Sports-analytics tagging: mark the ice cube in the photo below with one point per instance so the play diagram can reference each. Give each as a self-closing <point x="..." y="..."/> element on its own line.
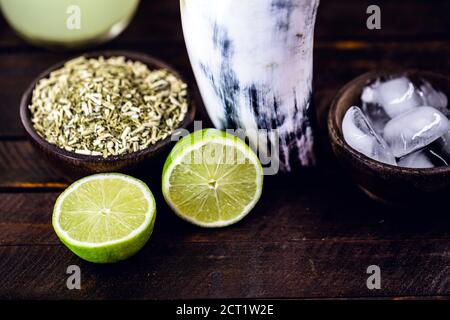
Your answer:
<point x="415" y="129"/>
<point x="369" y="93"/>
<point x="418" y="159"/>
<point x="446" y="142"/>
<point x="434" y="98"/>
<point x="438" y="158"/>
<point x="443" y="146"/>
<point x="376" y="115"/>
<point x="360" y="135"/>
<point x="397" y="96"/>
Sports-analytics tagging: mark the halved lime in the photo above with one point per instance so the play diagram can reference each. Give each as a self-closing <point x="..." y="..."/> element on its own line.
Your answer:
<point x="212" y="178"/>
<point x="105" y="218"/>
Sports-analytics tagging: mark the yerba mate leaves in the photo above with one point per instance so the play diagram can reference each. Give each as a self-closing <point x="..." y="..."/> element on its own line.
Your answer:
<point x="107" y="106"/>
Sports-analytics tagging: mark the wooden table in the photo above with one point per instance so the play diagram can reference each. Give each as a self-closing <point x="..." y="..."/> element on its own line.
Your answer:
<point x="311" y="236"/>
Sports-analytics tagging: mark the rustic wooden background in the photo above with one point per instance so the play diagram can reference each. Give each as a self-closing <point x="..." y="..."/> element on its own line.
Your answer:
<point x="309" y="237"/>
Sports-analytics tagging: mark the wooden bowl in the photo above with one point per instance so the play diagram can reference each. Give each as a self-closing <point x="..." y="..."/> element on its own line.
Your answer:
<point x="383" y="182"/>
<point x="76" y="165"/>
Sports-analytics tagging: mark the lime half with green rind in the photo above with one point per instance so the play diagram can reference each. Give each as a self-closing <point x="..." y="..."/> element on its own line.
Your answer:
<point x="212" y="178"/>
<point x="105" y="218"/>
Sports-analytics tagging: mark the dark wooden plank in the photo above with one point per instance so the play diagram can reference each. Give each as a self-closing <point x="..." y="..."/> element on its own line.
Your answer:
<point x="22" y="167"/>
<point x="400" y="20"/>
<point x="169" y="270"/>
<point x="320" y="208"/>
<point x="159" y="21"/>
<point x="335" y="63"/>
<point x="303" y="241"/>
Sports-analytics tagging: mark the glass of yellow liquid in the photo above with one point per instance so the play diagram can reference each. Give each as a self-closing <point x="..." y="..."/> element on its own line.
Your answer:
<point x="68" y="23"/>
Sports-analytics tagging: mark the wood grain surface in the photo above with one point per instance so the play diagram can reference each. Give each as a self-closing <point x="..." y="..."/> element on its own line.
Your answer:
<point x="311" y="236"/>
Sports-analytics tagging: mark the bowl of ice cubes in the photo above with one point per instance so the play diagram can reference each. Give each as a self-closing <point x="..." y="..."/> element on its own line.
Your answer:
<point x="391" y="131"/>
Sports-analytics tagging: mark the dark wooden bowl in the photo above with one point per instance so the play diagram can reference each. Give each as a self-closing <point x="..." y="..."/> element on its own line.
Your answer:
<point x="383" y="182"/>
<point x="75" y="165"/>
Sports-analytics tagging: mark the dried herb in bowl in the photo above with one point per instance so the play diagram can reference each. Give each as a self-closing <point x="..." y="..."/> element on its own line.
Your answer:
<point x="107" y="106"/>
